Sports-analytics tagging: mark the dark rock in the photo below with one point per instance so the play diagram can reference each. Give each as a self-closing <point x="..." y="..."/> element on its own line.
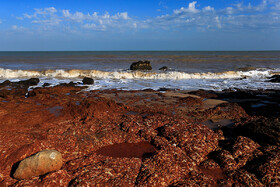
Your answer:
<point x="88" y="80"/>
<point x="29" y="82"/>
<point x="274" y="78"/>
<point x="262" y="130"/>
<point x="164" y="68"/>
<point x="141" y="65"/>
<point x="5" y="83"/>
<point x="46" y="84"/>
<point x="70" y="84"/>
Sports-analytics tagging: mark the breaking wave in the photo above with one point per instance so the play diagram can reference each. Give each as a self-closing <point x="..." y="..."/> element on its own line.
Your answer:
<point x="169" y="75"/>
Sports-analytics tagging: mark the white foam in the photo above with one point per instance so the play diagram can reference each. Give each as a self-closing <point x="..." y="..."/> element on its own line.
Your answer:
<point x="137" y="80"/>
<point x="170" y="75"/>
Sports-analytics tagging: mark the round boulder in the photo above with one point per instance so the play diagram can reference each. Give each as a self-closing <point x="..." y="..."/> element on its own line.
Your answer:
<point x="39" y="164"/>
<point x="88" y="80"/>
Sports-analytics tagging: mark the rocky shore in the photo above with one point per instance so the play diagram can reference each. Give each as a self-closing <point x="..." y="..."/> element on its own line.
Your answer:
<point x="140" y="138"/>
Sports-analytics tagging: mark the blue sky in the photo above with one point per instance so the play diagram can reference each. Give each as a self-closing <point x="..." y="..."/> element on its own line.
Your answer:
<point x="139" y="25"/>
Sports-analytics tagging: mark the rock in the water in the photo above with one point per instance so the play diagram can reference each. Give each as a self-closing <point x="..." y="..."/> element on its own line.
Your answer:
<point x="88" y="80"/>
<point x="164" y="68"/>
<point x="39" y="164"/>
<point x="141" y="65"/>
<point x="29" y="82"/>
<point x="46" y="85"/>
<point x="274" y="78"/>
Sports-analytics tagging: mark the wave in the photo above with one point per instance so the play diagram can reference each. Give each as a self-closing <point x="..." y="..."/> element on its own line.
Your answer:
<point x="169" y="75"/>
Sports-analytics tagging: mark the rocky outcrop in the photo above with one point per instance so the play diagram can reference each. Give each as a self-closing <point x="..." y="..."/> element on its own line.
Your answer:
<point x="39" y="164"/>
<point x="137" y="138"/>
<point x="141" y="65"/>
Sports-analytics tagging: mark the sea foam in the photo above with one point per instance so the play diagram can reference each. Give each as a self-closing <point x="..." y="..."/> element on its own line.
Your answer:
<point x="169" y="75"/>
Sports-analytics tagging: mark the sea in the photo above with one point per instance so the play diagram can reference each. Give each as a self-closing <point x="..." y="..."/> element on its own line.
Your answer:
<point x="187" y="70"/>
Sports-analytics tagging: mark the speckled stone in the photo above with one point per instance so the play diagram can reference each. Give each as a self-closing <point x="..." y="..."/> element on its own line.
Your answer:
<point x="39" y="164"/>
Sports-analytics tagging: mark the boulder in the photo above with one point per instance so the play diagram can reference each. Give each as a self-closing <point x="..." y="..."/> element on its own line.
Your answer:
<point x="88" y="80"/>
<point x="164" y="68"/>
<point x="274" y="78"/>
<point x="141" y="65"/>
<point x="39" y="164"/>
<point x="29" y="82"/>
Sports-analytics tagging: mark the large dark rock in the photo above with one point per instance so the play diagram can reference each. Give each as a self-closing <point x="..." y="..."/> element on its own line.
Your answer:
<point x="274" y="78"/>
<point x="141" y="65"/>
<point x="27" y="83"/>
<point x="88" y="80"/>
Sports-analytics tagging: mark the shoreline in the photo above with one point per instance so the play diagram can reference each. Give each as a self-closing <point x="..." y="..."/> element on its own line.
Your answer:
<point x="171" y="137"/>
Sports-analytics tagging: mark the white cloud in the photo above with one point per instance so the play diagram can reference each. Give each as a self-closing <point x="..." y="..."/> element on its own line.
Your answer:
<point x="208" y="8"/>
<point x="190" y="9"/>
<point x="265" y="15"/>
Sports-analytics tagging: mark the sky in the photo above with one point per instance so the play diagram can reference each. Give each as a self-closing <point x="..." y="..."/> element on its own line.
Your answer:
<point x="97" y="25"/>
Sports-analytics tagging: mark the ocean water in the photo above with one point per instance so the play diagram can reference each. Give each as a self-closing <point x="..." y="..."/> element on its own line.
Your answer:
<point x="187" y="70"/>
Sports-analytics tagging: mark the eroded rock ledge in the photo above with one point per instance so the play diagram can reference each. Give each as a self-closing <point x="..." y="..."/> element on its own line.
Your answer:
<point x="140" y="138"/>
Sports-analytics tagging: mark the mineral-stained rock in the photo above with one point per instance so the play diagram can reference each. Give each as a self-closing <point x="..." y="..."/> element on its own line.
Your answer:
<point x="168" y="166"/>
<point x="108" y="172"/>
<point x="141" y="65"/>
<point x="39" y="164"/>
<point x="88" y="80"/>
<point x="244" y="178"/>
<point x="226" y="160"/>
<point x="243" y="146"/>
<point x="267" y="167"/>
<point x="195" y="139"/>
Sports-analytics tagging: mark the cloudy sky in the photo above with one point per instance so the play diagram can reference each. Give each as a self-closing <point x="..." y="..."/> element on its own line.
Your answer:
<point x="139" y="25"/>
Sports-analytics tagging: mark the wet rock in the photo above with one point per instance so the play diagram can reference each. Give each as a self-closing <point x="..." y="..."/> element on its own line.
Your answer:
<point x="164" y="68"/>
<point x="88" y="80"/>
<point x="204" y="93"/>
<point x="39" y="164"/>
<point x="274" y="78"/>
<point x="46" y="85"/>
<point x="29" y="82"/>
<point x="141" y="65"/>
<point x="191" y="101"/>
<point x="262" y="130"/>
